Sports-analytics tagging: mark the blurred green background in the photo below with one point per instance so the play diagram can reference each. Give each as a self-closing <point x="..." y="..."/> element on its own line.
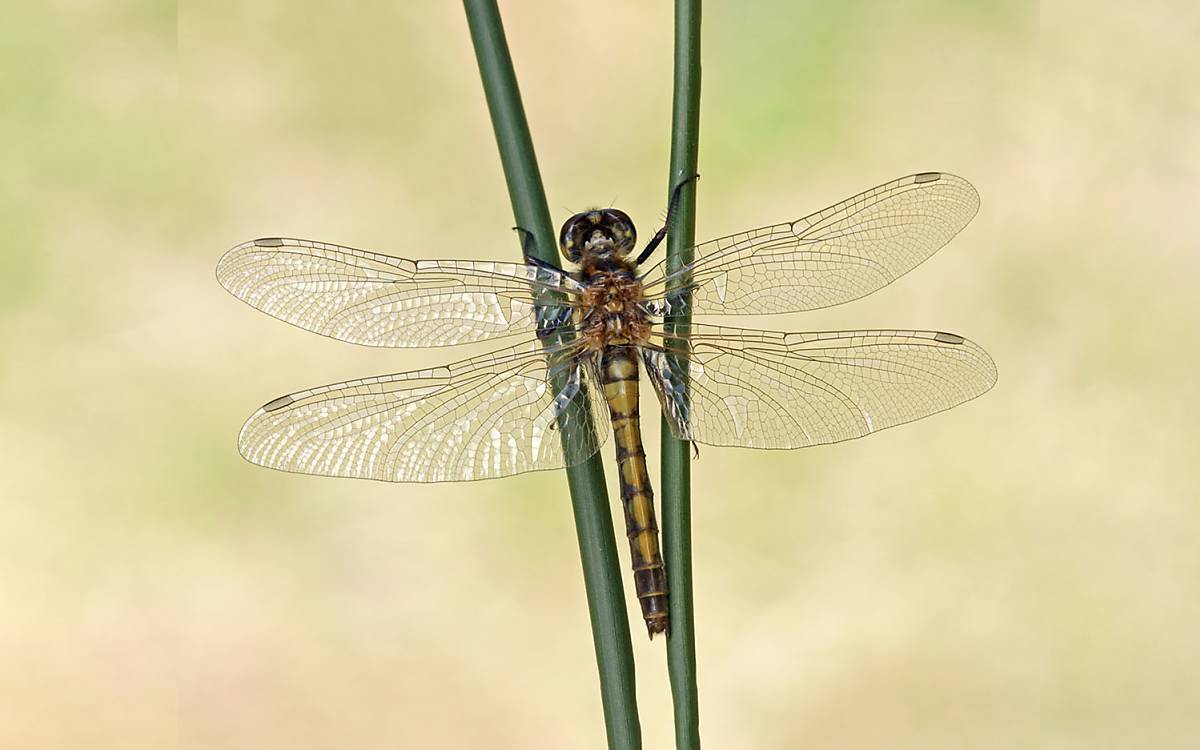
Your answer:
<point x="1020" y="572"/>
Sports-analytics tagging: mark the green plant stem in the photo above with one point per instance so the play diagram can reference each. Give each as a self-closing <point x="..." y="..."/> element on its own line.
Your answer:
<point x="676" y="454"/>
<point x="589" y="497"/>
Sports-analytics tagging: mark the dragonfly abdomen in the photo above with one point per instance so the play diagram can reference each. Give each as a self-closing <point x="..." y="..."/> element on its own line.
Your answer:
<point x="620" y="374"/>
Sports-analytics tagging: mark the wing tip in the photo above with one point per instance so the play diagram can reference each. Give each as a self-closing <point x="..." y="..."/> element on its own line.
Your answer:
<point x="249" y="444"/>
<point x="243" y="435"/>
<point x="222" y="269"/>
<point x="992" y="373"/>
<point x="971" y="194"/>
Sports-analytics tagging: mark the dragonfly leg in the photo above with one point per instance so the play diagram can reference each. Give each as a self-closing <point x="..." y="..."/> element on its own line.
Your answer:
<point x="661" y="234"/>
<point x="528" y="244"/>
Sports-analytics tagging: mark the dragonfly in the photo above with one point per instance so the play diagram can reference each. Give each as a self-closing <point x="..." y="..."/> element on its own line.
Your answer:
<point x="580" y="338"/>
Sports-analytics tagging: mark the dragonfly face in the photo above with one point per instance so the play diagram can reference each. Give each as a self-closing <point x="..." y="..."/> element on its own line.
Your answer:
<point x="514" y="410"/>
<point x="600" y="233"/>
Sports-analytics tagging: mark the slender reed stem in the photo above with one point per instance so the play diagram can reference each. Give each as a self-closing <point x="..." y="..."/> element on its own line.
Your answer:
<point x="589" y="497"/>
<point x="676" y="466"/>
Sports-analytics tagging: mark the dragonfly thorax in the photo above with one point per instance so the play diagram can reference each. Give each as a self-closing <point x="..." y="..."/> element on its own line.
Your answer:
<point x="612" y="306"/>
<point x="601" y="233"/>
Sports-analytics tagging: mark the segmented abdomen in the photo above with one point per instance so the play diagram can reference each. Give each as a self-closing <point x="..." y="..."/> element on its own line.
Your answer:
<point x="620" y="375"/>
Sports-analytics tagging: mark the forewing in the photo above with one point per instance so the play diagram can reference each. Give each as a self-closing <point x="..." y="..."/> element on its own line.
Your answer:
<point x="763" y="389"/>
<point x="836" y="255"/>
<point x="491" y="416"/>
<point x="380" y="300"/>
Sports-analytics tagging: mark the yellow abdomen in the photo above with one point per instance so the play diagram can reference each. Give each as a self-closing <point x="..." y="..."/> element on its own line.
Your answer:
<point x="619" y="371"/>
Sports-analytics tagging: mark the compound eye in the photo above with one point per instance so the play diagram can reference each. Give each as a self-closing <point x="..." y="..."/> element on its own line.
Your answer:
<point x="570" y="239"/>
<point x="623" y="233"/>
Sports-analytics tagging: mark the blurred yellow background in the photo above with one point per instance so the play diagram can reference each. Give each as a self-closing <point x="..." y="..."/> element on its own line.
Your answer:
<point x="1022" y="571"/>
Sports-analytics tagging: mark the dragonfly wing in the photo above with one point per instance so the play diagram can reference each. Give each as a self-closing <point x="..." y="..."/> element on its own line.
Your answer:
<point x="380" y="300"/>
<point x="836" y="255"/>
<point x="491" y="416"/>
<point x="764" y="389"/>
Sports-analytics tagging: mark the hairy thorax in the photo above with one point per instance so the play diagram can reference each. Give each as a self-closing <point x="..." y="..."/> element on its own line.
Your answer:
<point x="612" y="312"/>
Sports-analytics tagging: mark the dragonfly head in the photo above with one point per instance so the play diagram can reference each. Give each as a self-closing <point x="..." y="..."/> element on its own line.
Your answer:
<point x="598" y="232"/>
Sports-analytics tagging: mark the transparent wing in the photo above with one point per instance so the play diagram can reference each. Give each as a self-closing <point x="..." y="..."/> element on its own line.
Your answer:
<point x="379" y="300"/>
<point x="491" y="416"/>
<point x="764" y="389"/>
<point x="836" y="255"/>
